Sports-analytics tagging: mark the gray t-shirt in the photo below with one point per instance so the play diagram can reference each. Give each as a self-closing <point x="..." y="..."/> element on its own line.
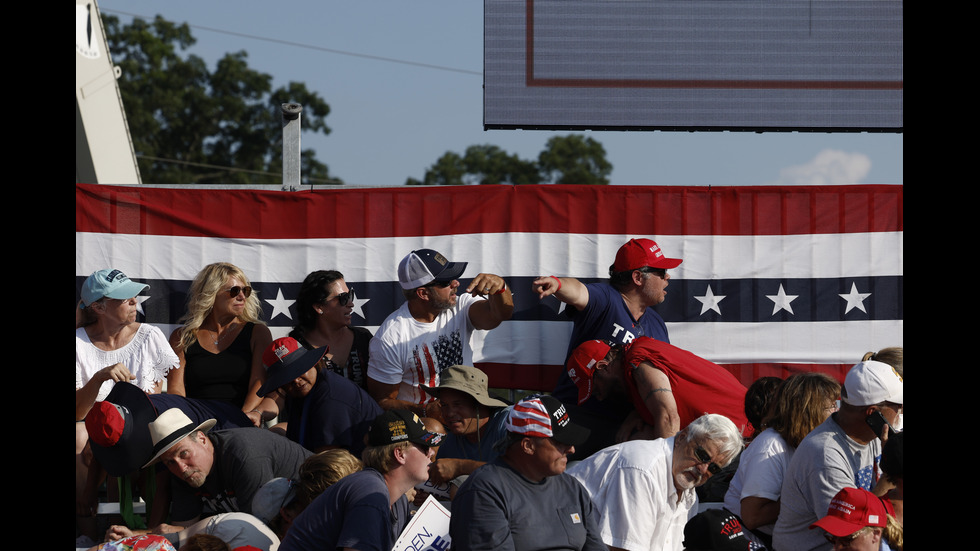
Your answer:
<point x="497" y="509"/>
<point x="824" y="463"/>
<point x="244" y="459"/>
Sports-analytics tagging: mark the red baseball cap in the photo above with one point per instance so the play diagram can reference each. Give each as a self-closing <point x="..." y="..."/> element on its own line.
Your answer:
<point x="637" y="253"/>
<point x="851" y="510"/>
<point x="581" y="365"/>
<point x="117" y="429"/>
<point x="284" y="360"/>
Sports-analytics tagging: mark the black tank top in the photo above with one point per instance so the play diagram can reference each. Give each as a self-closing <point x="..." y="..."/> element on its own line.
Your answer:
<point x="222" y="376"/>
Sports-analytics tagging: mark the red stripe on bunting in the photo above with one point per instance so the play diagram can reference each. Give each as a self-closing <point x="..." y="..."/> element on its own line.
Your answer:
<point x="447" y="210"/>
<point x="524" y="377"/>
<point x="747" y="373"/>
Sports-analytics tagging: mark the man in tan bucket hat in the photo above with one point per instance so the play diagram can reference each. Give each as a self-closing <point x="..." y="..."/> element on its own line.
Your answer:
<point x="473" y="418"/>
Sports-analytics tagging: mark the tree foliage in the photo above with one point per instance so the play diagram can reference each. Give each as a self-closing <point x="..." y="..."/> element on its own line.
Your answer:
<point x="191" y="125"/>
<point x="565" y="160"/>
<point x="481" y="164"/>
<point x="574" y="160"/>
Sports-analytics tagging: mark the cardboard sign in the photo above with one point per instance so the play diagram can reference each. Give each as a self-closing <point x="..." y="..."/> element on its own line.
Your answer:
<point x="428" y="530"/>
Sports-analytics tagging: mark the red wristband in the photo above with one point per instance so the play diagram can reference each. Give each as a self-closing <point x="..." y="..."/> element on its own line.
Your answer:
<point x="559" y="283"/>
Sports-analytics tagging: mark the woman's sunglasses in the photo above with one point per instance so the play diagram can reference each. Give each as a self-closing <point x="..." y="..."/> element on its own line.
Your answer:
<point x="233" y="292"/>
<point x="344" y="299"/>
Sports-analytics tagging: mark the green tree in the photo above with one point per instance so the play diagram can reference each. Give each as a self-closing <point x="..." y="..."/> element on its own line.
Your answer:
<point x="481" y="164"/>
<point x="191" y="125"/>
<point x="565" y="160"/>
<point x="574" y="159"/>
<point x="448" y="171"/>
<point x="488" y="164"/>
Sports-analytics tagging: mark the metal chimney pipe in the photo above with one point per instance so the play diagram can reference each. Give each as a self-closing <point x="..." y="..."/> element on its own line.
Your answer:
<point x="291" y="125"/>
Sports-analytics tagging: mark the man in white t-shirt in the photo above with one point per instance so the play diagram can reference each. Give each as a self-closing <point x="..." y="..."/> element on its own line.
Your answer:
<point x="431" y="331"/>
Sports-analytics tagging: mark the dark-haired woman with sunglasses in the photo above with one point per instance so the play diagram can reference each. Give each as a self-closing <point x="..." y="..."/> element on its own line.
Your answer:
<point x="221" y="343"/>
<point x="324" y="307"/>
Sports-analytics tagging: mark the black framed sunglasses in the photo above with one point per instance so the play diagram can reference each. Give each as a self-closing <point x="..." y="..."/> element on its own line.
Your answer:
<point x="703" y="456"/>
<point x="233" y="292"/>
<point x="344" y="298"/>
<point x="662" y="273"/>
<point x="440" y="284"/>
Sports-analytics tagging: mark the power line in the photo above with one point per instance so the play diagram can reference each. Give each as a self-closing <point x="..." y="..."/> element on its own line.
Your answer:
<point x="318" y="48"/>
<point x="233" y="169"/>
<point x="307" y="179"/>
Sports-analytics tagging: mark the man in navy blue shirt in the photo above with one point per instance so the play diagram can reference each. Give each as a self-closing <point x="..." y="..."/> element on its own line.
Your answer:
<point x="367" y="510"/>
<point x="617" y="310"/>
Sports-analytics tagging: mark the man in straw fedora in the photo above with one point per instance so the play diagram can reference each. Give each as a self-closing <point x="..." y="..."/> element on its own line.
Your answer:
<point x="221" y="469"/>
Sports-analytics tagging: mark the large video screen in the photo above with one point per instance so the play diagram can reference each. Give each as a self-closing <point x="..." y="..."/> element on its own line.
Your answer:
<point x="829" y="65"/>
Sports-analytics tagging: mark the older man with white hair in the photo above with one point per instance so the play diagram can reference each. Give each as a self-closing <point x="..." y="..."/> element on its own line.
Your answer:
<point x="644" y="489"/>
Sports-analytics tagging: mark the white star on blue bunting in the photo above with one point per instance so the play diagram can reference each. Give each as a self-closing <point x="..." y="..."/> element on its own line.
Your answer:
<point x="280" y="305"/>
<point x="709" y="301"/>
<point x="359" y="304"/>
<point x="781" y="301"/>
<point x="855" y="299"/>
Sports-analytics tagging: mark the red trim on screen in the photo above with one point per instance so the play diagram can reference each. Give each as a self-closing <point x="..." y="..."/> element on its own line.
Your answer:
<point x="529" y="43"/>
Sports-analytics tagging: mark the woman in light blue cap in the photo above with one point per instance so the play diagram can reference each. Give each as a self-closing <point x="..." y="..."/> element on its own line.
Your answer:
<point x="110" y="347"/>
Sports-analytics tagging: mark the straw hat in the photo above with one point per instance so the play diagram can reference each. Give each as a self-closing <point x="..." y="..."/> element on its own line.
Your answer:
<point x="171" y="427"/>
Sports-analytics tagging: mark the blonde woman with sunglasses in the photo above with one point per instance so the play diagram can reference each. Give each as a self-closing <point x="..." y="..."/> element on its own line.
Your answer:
<point x="221" y="343"/>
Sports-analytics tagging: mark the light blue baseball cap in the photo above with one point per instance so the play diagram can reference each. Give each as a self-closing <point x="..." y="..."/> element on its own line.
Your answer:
<point x="109" y="283"/>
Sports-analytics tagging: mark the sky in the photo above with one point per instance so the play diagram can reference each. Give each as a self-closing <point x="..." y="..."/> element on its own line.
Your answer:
<point x="404" y="84"/>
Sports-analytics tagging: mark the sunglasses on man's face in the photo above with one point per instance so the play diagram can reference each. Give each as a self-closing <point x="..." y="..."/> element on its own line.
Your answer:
<point x="703" y="456"/>
<point x="846" y="540"/>
<point x="233" y="292"/>
<point x="660" y="272"/>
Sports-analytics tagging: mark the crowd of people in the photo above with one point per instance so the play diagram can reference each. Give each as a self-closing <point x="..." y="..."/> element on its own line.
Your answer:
<point x="332" y="437"/>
